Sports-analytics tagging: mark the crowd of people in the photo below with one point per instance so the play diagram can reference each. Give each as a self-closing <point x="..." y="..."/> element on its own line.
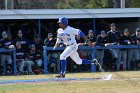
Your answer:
<point x="29" y="54"/>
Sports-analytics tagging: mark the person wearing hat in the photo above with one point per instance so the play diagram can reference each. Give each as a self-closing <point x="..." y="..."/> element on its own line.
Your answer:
<point x="133" y="54"/>
<point x="124" y="40"/>
<point x="38" y="42"/>
<point x="50" y="42"/>
<point x="21" y="55"/>
<point x="7" y="44"/>
<point x="92" y="39"/>
<point x="101" y="40"/>
<point x="35" y="57"/>
<point x="114" y="37"/>
<point x="22" y="40"/>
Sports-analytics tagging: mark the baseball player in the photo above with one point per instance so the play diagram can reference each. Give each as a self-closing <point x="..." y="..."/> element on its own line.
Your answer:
<point x="67" y="34"/>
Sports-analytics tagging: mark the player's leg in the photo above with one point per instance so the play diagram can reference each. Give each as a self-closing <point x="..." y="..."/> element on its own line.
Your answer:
<point x="75" y="57"/>
<point x="66" y="53"/>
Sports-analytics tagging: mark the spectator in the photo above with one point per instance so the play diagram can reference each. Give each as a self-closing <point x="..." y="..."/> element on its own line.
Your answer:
<point x="101" y="40"/>
<point x="50" y="42"/>
<point x="22" y="40"/>
<point x="6" y="43"/>
<point x="38" y="43"/>
<point x="114" y="37"/>
<point x="79" y="39"/>
<point x="124" y="40"/>
<point x="20" y="59"/>
<point x="133" y="54"/>
<point x="91" y="38"/>
<point x="35" y="57"/>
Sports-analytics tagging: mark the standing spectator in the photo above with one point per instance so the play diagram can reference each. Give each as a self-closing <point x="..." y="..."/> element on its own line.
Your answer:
<point x="79" y="39"/>
<point x="38" y="43"/>
<point x="114" y="37"/>
<point x="133" y="54"/>
<point x="91" y="39"/>
<point x="101" y="40"/>
<point x="124" y="40"/>
<point x="91" y="36"/>
<point x="6" y="43"/>
<point x="22" y="40"/>
<point x="50" y="42"/>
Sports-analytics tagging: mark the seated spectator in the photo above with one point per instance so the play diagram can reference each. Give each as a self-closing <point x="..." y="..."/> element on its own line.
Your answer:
<point x="22" y="40"/>
<point x="101" y="40"/>
<point x="7" y="44"/>
<point x="124" y="40"/>
<point x="20" y="59"/>
<point x="35" y="57"/>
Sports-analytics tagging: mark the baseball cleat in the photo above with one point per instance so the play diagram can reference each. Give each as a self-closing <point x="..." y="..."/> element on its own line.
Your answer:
<point x="60" y="76"/>
<point x="98" y="64"/>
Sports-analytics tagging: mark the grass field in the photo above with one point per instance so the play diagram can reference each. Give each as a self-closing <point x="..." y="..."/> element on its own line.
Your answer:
<point x="124" y="82"/>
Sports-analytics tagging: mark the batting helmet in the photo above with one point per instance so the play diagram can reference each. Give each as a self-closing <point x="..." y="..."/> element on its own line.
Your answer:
<point x="63" y="20"/>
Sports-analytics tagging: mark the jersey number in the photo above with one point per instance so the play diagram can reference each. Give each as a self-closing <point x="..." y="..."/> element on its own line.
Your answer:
<point x="68" y="38"/>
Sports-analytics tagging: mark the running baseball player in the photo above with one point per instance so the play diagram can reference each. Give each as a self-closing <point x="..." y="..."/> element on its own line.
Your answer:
<point x="67" y="35"/>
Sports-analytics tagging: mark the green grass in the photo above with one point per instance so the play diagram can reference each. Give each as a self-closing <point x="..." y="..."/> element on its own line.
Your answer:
<point x="97" y="86"/>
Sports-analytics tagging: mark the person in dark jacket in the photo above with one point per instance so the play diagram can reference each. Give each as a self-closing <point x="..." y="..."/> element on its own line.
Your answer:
<point x="50" y="42"/>
<point x="35" y="56"/>
<point x="21" y="55"/>
<point x="6" y="56"/>
<point x="22" y="40"/>
<point x="124" y="40"/>
<point x="114" y="37"/>
<point x="133" y="54"/>
<point x="38" y="42"/>
<point x="101" y="40"/>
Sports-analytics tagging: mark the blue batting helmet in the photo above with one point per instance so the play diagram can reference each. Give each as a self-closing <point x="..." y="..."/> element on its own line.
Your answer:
<point x="63" y="20"/>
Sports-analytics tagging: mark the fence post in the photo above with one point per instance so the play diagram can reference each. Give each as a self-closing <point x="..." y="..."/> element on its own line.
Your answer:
<point x="45" y="60"/>
<point x="14" y="62"/>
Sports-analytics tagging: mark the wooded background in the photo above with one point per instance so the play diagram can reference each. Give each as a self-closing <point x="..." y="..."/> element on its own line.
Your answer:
<point x="67" y="4"/>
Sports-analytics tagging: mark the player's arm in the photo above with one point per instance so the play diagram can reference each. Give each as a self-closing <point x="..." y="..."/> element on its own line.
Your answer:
<point x="85" y="38"/>
<point x="56" y="43"/>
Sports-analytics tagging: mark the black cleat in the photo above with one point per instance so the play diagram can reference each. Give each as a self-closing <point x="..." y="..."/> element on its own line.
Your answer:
<point x="60" y="76"/>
